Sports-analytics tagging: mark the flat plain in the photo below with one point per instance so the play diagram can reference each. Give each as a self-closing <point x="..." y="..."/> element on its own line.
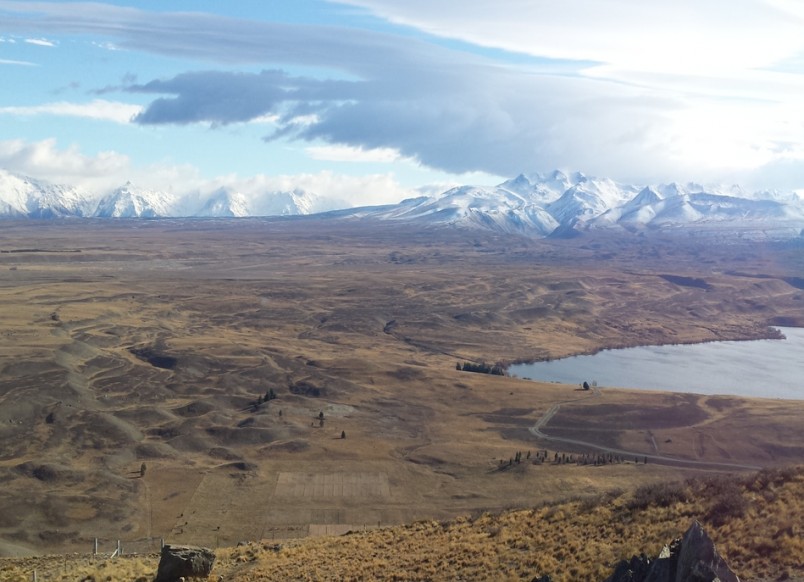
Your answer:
<point x="155" y="343"/>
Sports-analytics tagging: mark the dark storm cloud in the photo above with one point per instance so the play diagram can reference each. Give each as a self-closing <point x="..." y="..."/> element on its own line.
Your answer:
<point x="222" y="97"/>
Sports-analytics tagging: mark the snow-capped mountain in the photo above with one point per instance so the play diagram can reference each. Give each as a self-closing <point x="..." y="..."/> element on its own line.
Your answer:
<point x="225" y="203"/>
<point x="500" y="209"/>
<point x="130" y="201"/>
<point x="536" y="204"/>
<point x="228" y="203"/>
<point x="23" y="197"/>
<point x="589" y="198"/>
<point x="293" y="203"/>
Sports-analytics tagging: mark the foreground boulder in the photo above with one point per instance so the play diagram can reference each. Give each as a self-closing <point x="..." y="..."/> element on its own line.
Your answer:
<point x="693" y="558"/>
<point x="178" y="562"/>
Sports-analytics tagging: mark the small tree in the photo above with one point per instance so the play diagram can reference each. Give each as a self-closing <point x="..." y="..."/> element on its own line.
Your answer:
<point x="586" y="385"/>
<point x="343" y="434"/>
<point x="142" y="470"/>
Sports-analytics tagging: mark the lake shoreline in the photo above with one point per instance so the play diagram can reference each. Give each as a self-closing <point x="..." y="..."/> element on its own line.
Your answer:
<point x="773" y="333"/>
<point x="744" y="368"/>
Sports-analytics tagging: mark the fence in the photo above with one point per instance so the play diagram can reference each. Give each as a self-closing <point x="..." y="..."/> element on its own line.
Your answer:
<point x="104" y="549"/>
<point x="113" y="548"/>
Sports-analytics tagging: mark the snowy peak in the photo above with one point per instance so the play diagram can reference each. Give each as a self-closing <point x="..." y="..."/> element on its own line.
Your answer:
<point x="291" y="203"/>
<point x="647" y="195"/>
<point x="520" y="185"/>
<point x="131" y="202"/>
<point x="588" y="198"/>
<point x="529" y="204"/>
<point x="499" y="209"/>
<point x="533" y="205"/>
<point x="224" y="203"/>
<point x="24" y="197"/>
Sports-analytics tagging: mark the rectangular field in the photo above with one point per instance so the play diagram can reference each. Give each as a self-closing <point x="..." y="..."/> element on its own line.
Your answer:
<point x="336" y="485"/>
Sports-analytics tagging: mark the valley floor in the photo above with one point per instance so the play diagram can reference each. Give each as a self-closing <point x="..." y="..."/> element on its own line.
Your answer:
<point x="210" y="382"/>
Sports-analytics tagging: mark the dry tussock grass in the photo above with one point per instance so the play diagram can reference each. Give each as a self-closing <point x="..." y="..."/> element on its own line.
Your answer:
<point x="574" y="540"/>
<point x="579" y="539"/>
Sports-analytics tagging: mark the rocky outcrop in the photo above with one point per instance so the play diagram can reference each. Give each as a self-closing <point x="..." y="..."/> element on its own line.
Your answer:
<point x="692" y="558"/>
<point x="182" y="562"/>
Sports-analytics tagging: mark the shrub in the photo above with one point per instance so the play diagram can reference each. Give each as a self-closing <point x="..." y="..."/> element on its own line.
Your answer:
<point x="729" y="504"/>
<point x="659" y="494"/>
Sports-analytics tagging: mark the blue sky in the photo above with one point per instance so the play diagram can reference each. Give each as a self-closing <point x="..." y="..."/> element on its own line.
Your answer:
<point x="374" y="100"/>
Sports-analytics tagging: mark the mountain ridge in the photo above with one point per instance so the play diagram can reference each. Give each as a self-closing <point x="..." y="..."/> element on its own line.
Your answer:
<point x="535" y="205"/>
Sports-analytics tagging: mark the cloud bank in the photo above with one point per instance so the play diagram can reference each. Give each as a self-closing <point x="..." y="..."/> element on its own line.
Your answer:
<point x="637" y="90"/>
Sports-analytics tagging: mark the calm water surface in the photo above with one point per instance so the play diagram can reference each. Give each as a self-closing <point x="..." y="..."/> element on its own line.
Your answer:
<point x="762" y="368"/>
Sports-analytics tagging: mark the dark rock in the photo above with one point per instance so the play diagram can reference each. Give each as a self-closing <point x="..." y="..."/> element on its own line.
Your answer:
<point x="633" y="570"/>
<point x="692" y="558"/>
<point x="184" y="562"/>
<point x="699" y="561"/>
<point x="664" y="566"/>
<point x="545" y="578"/>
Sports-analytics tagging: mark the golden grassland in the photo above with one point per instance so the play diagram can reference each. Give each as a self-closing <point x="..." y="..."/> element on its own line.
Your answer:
<point x="123" y="343"/>
<point x="755" y="521"/>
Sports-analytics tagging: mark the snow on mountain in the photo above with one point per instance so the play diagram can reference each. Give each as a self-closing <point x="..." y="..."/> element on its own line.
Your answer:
<point x="292" y="203"/>
<point x="698" y="208"/>
<point x="532" y="205"/>
<point x="589" y="198"/>
<point x="130" y="201"/>
<point x="542" y="188"/>
<point x="225" y="203"/>
<point x="23" y="197"/>
<point x="529" y="204"/>
<point x="499" y="209"/>
<point x="520" y="185"/>
<point x="639" y="209"/>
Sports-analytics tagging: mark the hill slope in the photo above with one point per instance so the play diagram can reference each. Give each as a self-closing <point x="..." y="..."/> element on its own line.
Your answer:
<point x="755" y="522"/>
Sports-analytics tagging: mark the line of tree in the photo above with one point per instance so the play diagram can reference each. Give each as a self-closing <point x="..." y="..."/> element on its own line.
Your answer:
<point x="482" y="368"/>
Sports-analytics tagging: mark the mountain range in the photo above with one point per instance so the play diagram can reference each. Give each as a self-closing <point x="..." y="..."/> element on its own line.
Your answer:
<point x="552" y="204"/>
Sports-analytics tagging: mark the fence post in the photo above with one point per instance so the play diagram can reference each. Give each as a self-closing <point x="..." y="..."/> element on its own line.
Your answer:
<point x="161" y="543"/>
<point x="34" y="576"/>
<point x="119" y="548"/>
<point x="95" y="549"/>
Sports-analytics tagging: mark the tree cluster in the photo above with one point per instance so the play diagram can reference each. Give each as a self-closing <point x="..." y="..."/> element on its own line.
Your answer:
<point x="481" y="368"/>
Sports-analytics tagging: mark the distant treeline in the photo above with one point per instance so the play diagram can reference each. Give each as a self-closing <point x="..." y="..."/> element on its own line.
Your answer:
<point x="482" y="368"/>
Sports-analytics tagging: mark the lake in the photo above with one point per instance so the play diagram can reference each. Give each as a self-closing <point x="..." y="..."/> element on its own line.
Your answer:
<point x="760" y="368"/>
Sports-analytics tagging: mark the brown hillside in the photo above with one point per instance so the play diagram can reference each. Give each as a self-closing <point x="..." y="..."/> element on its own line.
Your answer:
<point x="157" y="342"/>
<point x="755" y="521"/>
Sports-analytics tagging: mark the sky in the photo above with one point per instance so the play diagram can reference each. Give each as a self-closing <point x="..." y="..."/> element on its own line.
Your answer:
<point x="373" y="101"/>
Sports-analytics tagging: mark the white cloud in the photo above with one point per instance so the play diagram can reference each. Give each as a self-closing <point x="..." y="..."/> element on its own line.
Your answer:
<point x="40" y="42"/>
<point x="361" y="190"/>
<point x="99" y="109"/>
<point x="639" y="90"/>
<point x="44" y="159"/>
<point x="13" y="62"/>
<point x="105" y="171"/>
<point x="344" y="153"/>
<point x="106" y="46"/>
<point x="687" y="36"/>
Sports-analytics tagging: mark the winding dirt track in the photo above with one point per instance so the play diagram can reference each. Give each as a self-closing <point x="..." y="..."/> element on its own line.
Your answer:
<point x="536" y="430"/>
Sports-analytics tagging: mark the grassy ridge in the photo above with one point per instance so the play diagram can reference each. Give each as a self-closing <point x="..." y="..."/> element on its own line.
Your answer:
<point x="755" y="522"/>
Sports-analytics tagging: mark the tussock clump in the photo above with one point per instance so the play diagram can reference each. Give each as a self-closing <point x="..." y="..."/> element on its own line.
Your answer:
<point x="658" y="494"/>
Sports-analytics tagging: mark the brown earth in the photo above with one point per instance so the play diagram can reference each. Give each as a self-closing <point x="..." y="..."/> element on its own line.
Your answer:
<point x="154" y="342"/>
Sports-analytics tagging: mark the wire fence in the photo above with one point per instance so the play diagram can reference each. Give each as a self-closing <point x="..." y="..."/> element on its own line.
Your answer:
<point x="112" y="547"/>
